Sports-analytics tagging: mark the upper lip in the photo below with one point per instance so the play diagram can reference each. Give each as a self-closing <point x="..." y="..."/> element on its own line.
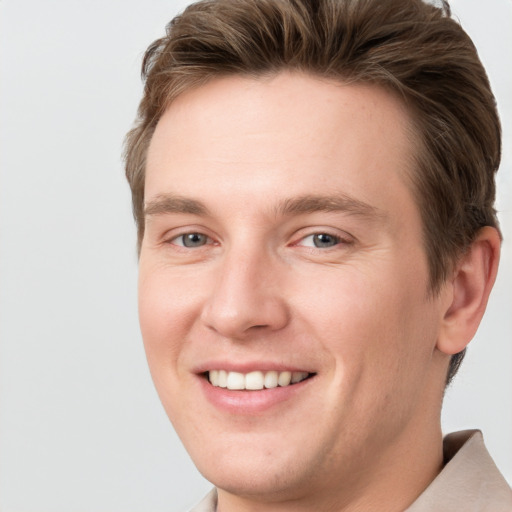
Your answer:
<point x="247" y="367"/>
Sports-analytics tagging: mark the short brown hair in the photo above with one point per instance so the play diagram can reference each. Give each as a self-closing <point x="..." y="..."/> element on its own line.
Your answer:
<point x="408" y="46"/>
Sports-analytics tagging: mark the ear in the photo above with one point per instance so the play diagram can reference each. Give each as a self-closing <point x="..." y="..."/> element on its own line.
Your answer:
<point x="470" y="287"/>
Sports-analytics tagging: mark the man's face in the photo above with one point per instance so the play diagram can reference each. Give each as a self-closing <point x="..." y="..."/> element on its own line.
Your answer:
<point x="282" y="236"/>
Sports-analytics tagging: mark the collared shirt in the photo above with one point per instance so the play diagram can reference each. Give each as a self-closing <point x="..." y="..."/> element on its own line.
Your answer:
<point x="469" y="481"/>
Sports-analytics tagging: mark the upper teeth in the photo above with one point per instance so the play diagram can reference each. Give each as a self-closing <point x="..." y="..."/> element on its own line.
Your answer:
<point x="254" y="380"/>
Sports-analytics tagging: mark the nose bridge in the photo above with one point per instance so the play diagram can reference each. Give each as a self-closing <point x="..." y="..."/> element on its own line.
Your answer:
<point x="246" y="294"/>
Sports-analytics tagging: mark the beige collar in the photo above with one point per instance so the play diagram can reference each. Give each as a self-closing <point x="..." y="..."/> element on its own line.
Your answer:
<point x="469" y="481"/>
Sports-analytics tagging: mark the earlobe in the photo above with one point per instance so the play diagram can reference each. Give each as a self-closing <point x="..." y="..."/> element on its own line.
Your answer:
<point x="471" y="286"/>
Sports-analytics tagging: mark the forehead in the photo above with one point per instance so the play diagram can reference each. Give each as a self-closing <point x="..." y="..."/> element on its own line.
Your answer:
<point x="287" y="130"/>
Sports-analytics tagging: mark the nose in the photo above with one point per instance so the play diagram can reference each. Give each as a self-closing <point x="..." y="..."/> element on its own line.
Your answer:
<point x="247" y="296"/>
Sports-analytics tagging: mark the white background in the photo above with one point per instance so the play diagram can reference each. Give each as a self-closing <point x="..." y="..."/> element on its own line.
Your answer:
<point x="81" y="427"/>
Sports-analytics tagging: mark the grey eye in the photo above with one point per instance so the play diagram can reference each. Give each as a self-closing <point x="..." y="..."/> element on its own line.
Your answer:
<point x="192" y="240"/>
<point x="322" y="240"/>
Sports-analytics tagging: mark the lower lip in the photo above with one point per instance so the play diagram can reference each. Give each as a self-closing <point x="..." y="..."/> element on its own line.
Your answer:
<point x="251" y="402"/>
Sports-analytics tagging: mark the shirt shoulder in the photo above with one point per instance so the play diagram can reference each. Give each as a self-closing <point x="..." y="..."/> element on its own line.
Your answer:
<point x="469" y="481"/>
<point x="207" y="504"/>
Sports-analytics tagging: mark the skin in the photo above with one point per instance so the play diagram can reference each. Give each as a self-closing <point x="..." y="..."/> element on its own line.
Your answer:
<point x="364" y="432"/>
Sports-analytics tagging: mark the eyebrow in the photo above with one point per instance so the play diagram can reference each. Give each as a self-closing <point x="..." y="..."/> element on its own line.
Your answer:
<point x="169" y="203"/>
<point x="331" y="203"/>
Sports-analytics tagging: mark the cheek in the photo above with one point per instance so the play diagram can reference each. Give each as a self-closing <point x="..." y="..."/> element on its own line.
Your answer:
<point x="380" y="341"/>
<point x="164" y="316"/>
<point x="376" y="326"/>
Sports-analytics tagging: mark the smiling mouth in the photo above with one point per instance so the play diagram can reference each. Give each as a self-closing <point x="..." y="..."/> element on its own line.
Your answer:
<point x="255" y="380"/>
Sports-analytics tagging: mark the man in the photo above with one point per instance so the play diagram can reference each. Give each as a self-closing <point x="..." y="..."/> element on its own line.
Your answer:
<point x="313" y="184"/>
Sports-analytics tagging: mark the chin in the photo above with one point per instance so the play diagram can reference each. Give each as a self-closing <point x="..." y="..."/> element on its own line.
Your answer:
<point x="257" y="469"/>
<point x="251" y="480"/>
